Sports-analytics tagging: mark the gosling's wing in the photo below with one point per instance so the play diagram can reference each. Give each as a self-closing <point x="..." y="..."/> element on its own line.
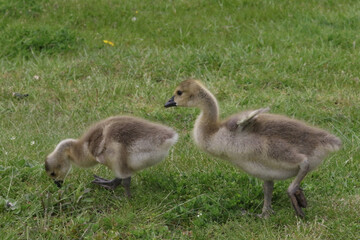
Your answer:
<point x="246" y="119"/>
<point x="240" y="121"/>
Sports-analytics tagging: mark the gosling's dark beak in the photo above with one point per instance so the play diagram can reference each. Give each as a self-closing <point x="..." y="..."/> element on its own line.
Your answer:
<point x="170" y="103"/>
<point x="58" y="183"/>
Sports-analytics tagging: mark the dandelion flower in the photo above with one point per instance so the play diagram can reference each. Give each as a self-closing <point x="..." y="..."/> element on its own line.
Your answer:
<point x="136" y="12"/>
<point x="108" y="42"/>
<point x="133" y="19"/>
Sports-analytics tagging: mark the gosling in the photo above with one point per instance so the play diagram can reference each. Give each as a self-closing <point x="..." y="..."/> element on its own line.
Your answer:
<point x="267" y="146"/>
<point x="124" y="144"/>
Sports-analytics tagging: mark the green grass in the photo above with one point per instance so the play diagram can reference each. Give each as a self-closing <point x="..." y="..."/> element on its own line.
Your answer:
<point x="301" y="58"/>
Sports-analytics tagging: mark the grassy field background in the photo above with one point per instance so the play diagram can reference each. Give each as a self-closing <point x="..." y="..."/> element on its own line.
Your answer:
<point x="301" y="58"/>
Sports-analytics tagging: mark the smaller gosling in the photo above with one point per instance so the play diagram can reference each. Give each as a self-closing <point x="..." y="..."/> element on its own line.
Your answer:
<point x="124" y="144"/>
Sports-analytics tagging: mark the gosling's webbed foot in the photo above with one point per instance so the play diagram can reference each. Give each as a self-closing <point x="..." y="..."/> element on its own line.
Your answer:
<point x="296" y="206"/>
<point x="266" y="213"/>
<point x="300" y="197"/>
<point x="298" y="201"/>
<point x="108" y="184"/>
<point x="112" y="184"/>
<point x="97" y="178"/>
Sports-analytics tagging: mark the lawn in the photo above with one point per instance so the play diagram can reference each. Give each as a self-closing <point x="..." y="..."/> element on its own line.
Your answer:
<point x="300" y="58"/>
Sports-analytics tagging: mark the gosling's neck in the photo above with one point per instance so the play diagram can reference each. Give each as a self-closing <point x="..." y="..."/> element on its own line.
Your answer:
<point x="63" y="150"/>
<point x="208" y="120"/>
<point x="80" y="155"/>
<point x="72" y="148"/>
<point x="65" y="145"/>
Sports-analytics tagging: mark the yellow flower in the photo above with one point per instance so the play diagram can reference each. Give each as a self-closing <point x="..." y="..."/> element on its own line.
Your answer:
<point x="108" y="42"/>
<point x="136" y="12"/>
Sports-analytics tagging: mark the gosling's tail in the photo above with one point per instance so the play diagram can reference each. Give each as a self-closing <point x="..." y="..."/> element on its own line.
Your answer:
<point x="332" y="143"/>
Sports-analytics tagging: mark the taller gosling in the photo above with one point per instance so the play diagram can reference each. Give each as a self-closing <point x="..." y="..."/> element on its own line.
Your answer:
<point x="267" y="146"/>
<point x="124" y="144"/>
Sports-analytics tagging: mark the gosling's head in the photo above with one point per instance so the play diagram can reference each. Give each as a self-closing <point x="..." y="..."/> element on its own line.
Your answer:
<point x="57" y="163"/>
<point x="189" y="93"/>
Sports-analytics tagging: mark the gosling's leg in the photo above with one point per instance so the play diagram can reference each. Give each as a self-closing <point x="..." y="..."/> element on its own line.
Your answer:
<point x="296" y="195"/>
<point x="108" y="184"/>
<point x="268" y="190"/>
<point x="126" y="184"/>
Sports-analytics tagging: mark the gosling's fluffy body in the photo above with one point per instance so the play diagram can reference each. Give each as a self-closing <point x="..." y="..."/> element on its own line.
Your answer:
<point x="271" y="147"/>
<point x="124" y="144"/>
<point x="267" y="146"/>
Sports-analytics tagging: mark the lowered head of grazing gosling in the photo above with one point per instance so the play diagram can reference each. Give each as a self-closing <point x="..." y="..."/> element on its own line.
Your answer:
<point x="57" y="163"/>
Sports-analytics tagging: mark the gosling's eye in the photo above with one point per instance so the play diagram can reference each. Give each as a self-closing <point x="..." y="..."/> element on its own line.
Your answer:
<point x="179" y="92"/>
<point x="52" y="174"/>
